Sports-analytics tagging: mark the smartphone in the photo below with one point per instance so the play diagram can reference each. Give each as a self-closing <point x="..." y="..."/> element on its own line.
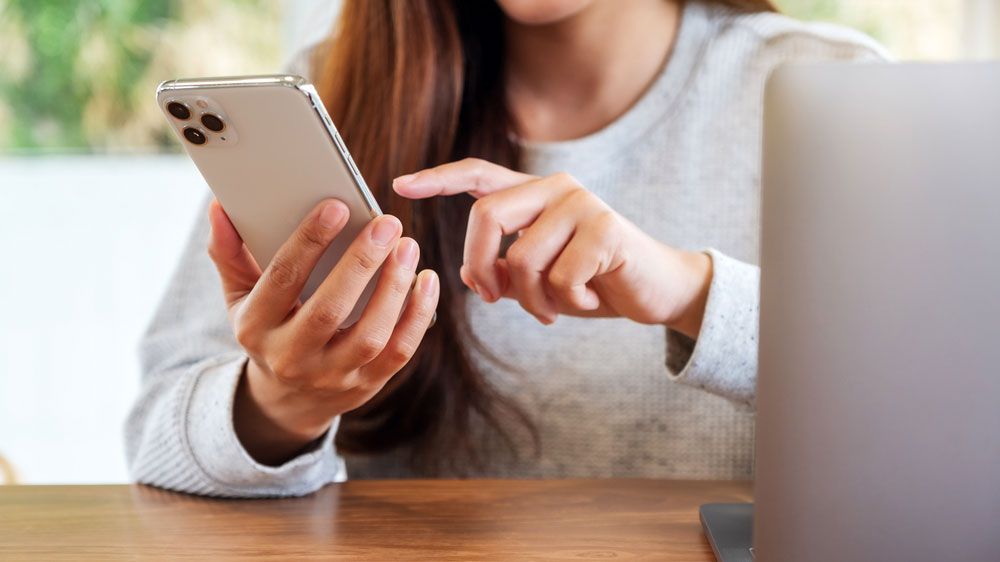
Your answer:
<point x="270" y="153"/>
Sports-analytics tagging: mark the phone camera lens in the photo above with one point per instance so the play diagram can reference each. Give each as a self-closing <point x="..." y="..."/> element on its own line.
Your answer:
<point x="179" y="110"/>
<point x="212" y="122"/>
<point x="194" y="136"/>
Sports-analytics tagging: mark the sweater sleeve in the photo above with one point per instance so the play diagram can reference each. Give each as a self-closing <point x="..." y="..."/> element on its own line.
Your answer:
<point x="179" y="434"/>
<point x="723" y="359"/>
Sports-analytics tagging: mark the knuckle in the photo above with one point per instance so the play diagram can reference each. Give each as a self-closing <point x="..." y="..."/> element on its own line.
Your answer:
<point x="369" y="346"/>
<point x="403" y="350"/>
<point x="477" y="169"/>
<point x="347" y="386"/>
<point x="363" y="263"/>
<point x="520" y="256"/>
<point x="312" y="236"/>
<point x="528" y="303"/>
<point x="366" y="389"/>
<point x="483" y="210"/>
<point x="424" y="312"/>
<point x="399" y="284"/>
<point x="247" y="336"/>
<point x="286" y="368"/>
<point x="285" y="376"/>
<point x="567" y="179"/>
<point x="347" y="383"/>
<point x="579" y="196"/>
<point x="473" y="163"/>
<point x="283" y="273"/>
<point x="328" y="313"/>
<point x="332" y="381"/>
<point x="604" y="222"/>
<point x="560" y="280"/>
<point x="340" y="385"/>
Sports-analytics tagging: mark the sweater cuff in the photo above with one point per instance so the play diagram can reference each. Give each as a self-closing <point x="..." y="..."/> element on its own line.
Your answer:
<point x="215" y="447"/>
<point x="723" y="360"/>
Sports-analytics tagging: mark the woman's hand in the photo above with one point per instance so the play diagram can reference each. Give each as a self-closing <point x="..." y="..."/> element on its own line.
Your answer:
<point x="303" y="372"/>
<point x="574" y="254"/>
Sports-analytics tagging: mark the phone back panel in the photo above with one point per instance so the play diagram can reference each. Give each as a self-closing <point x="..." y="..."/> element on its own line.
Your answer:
<point x="276" y="158"/>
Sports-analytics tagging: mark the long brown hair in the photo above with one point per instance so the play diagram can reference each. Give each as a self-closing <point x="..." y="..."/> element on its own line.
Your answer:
<point x="413" y="84"/>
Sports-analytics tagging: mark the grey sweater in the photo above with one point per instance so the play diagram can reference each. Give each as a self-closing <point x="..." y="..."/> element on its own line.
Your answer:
<point x="610" y="398"/>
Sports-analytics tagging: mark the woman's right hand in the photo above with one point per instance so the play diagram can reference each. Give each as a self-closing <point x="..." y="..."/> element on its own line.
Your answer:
<point x="302" y="372"/>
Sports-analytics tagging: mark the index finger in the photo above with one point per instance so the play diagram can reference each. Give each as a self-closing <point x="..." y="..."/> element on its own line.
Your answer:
<point x="504" y="213"/>
<point x="472" y="175"/>
<point x="237" y="269"/>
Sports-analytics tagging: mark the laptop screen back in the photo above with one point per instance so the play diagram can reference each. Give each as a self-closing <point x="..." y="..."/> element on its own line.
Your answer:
<point x="878" y="433"/>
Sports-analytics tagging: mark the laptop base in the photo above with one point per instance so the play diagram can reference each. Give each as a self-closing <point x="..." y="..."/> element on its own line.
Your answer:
<point x="729" y="529"/>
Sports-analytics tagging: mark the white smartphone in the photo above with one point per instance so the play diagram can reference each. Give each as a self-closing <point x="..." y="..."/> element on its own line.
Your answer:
<point x="270" y="153"/>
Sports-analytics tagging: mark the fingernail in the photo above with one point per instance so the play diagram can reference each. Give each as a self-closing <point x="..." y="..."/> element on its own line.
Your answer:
<point x="331" y="214"/>
<point x="406" y="253"/>
<point x="384" y="231"/>
<point x="403" y="180"/>
<point x="428" y="283"/>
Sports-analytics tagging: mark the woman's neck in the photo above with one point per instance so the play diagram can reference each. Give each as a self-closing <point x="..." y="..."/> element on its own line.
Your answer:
<point x="572" y="78"/>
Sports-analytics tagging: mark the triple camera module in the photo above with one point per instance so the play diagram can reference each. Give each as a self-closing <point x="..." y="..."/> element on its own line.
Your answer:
<point x="193" y="134"/>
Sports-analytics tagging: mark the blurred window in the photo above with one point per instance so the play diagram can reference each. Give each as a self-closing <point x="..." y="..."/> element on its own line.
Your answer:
<point x="915" y="29"/>
<point x="78" y="73"/>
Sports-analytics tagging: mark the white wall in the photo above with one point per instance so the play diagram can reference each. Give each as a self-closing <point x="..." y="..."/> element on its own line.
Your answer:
<point x="306" y="22"/>
<point x="87" y="244"/>
<point x="981" y="29"/>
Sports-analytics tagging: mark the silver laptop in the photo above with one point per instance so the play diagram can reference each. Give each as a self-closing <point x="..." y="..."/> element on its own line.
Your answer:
<point x="878" y="401"/>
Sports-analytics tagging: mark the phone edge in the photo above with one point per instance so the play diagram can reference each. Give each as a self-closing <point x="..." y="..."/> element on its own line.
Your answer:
<point x="312" y="95"/>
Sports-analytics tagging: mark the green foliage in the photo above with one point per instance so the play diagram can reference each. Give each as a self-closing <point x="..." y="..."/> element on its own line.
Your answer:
<point x="45" y="106"/>
<point x="832" y="11"/>
<point x="811" y="9"/>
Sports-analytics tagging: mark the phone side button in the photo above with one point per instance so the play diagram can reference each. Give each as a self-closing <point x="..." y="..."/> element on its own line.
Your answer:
<point x="354" y="167"/>
<point x="340" y="142"/>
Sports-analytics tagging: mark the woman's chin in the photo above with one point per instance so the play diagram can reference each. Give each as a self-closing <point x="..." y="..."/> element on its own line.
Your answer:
<point x="542" y="12"/>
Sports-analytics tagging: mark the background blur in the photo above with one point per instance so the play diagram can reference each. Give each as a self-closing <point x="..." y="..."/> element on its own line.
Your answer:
<point x="96" y="200"/>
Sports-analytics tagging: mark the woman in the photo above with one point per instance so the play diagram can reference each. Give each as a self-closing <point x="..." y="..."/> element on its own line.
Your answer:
<point x="601" y="159"/>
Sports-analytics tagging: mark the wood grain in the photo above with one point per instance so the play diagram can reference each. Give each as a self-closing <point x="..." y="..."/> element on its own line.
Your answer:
<point x="436" y="520"/>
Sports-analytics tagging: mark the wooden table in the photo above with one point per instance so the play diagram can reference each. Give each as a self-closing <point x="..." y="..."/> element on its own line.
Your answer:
<point x="368" y="520"/>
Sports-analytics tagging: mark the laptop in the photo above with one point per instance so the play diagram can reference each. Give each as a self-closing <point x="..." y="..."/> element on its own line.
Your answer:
<point x="878" y="399"/>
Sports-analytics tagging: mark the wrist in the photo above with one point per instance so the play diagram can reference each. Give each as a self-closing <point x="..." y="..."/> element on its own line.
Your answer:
<point x="695" y="279"/>
<point x="273" y="422"/>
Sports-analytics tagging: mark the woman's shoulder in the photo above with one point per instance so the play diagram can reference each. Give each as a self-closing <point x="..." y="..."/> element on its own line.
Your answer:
<point x="774" y="35"/>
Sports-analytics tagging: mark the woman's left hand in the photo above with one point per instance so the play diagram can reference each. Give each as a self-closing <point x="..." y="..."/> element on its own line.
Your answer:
<point x="574" y="255"/>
